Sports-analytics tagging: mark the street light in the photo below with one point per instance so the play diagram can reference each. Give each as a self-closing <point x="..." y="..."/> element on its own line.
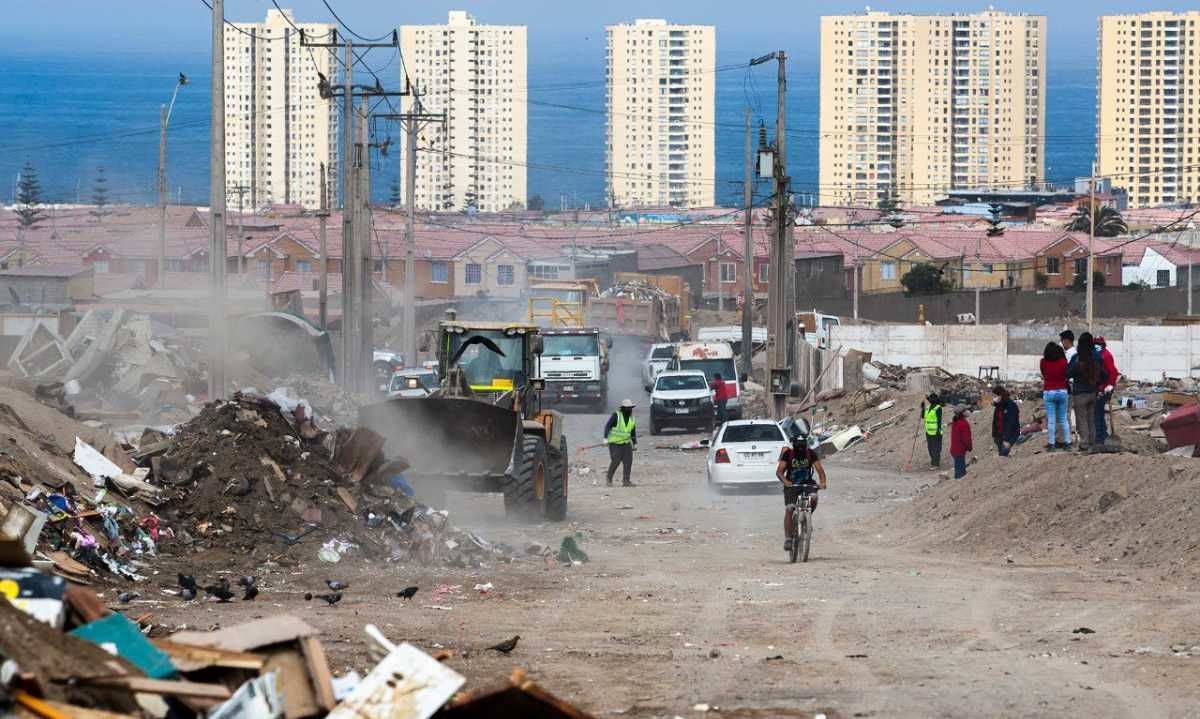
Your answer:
<point x="164" y="118"/>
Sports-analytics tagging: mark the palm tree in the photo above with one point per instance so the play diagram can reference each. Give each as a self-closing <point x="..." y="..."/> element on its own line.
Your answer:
<point x="1109" y="222"/>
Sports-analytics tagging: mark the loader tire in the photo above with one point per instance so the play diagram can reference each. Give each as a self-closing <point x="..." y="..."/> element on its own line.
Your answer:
<point x="521" y="500"/>
<point x="556" y="482"/>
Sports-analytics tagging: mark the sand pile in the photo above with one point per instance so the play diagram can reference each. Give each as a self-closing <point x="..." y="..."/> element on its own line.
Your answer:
<point x="1125" y="510"/>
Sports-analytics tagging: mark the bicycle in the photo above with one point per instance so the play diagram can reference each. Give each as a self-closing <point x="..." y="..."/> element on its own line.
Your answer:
<point x="802" y="525"/>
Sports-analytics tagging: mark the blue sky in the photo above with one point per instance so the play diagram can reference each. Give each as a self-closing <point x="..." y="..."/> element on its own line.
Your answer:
<point x="560" y="31"/>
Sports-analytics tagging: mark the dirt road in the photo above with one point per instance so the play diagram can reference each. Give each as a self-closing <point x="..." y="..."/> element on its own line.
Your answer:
<point x="687" y="599"/>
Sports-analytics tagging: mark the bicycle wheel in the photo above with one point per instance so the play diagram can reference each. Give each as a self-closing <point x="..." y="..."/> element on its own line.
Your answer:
<point x="805" y="535"/>
<point x="795" y="551"/>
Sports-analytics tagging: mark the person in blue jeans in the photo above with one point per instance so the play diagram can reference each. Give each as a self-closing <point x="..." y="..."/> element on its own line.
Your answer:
<point x="1054" y="394"/>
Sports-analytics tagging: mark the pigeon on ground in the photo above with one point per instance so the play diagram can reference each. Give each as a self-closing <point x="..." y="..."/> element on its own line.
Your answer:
<point x="335" y="585"/>
<point x="330" y="599"/>
<point x="127" y="597"/>
<point x="248" y="581"/>
<point x="407" y="592"/>
<point x="187" y="593"/>
<point x="506" y="646"/>
<point x="219" y="591"/>
<point x="308" y="596"/>
<point x="250" y="593"/>
<point x="187" y="582"/>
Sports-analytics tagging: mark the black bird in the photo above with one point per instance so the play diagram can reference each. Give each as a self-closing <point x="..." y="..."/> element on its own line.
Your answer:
<point x="187" y="593"/>
<point x="127" y="597"/>
<point x="335" y="585"/>
<point x="330" y="599"/>
<point x="407" y="592"/>
<point x="248" y="581"/>
<point x="250" y="593"/>
<point x="308" y="596"/>
<point x="220" y="591"/>
<point x="506" y="646"/>
<point x="187" y="582"/>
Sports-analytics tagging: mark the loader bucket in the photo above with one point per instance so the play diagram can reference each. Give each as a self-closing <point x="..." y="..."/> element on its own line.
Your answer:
<point x="445" y="436"/>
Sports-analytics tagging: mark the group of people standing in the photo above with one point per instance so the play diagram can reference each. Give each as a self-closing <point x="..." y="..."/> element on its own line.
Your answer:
<point x="1078" y="376"/>
<point x="1006" y="429"/>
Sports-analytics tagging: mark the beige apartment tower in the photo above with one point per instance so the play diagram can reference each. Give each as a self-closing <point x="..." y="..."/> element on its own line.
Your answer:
<point x="1145" y="117"/>
<point x="476" y="74"/>
<point x="661" y="147"/>
<point x="914" y="105"/>
<point x="278" y="128"/>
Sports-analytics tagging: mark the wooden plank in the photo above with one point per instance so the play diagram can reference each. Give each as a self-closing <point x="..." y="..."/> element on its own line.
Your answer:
<point x="188" y="658"/>
<point x="1178" y="399"/>
<point x="169" y="687"/>
<point x="67" y="710"/>
<point x="347" y="499"/>
<point x="292" y="680"/>
<point x="318" y="672"/>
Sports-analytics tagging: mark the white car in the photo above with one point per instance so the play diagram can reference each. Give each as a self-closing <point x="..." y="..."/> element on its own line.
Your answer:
<point x="656" y="361"/>
<point x="681" y="399"/>
<point x="416" y="382"/>
<point x="745" y="453"/>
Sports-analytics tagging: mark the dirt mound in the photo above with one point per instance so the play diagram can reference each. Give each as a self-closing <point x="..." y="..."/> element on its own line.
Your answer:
<point x="1127" y="510"/>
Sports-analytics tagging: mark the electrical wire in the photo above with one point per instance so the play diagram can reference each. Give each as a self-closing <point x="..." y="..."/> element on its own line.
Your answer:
<point x="349" y="30"/>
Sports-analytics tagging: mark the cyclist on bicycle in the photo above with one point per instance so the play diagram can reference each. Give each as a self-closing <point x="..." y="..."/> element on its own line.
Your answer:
<point x="795" y="470"/>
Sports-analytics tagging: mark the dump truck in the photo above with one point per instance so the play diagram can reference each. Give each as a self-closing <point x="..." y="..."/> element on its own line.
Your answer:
<point x="483" y="428"/>
<point x="648" y="307"/>
<point x="574" y="363"/>
<point x="554" y="304"/>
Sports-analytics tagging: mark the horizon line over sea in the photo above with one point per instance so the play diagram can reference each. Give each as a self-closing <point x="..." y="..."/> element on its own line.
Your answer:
<point x="63" y="118"/>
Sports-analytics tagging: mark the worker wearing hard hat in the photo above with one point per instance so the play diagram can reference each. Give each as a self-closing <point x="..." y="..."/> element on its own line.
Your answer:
<point x="620" y="434"/>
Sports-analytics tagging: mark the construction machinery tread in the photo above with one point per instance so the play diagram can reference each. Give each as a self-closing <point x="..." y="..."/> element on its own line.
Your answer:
<point x="520" y="488"/>
<point x="556" y="482"/>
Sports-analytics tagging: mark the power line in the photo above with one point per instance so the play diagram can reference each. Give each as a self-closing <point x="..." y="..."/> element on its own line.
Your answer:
<point x="347" y="27"/>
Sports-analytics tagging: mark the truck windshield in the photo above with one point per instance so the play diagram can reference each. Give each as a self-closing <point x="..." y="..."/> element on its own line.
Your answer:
<point x="558" y="294"/>
<point x="711" y="367"/>
<point x="570" y="346"/>
<point x="674" y="383"/>
<point x="485" y="368"/>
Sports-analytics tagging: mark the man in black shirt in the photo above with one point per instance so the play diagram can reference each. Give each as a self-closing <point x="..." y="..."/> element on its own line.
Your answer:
<point x="795" y="469"/>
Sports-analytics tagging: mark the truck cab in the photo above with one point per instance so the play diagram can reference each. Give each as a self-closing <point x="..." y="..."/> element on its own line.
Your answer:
<point x="712" y="358"/>
<point x="814" y="328"/>
<point x="574" y="364"/>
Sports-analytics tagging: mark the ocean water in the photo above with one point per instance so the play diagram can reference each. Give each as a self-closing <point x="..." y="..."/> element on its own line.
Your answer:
<point x="70" y="115"/>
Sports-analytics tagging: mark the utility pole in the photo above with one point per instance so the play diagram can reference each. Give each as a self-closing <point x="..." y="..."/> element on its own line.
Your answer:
<point x="1091" y="246"/>
<point x="217" y="339"/>
<point x="355" y="162"/>
<point x="164" y="117"/>
<point x="717" y="267"/>
<point x="781" y="299"/>
<point x="241" y="191"/>
<point x="362" y="249"/>
<point x="855" y="270"/>
<point x="748" y="257"/>
<point x="323" y="261"/>
<point x="411" y="122"/>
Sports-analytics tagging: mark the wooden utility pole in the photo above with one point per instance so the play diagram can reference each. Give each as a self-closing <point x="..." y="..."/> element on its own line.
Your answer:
<point x="323" y="261"/>
<point x="349" y="182"/>
<point x="1091" y="246"/>
<point x="241" y="191"/>
<point x="781" y="298"/>
<point x="748" y="256"/>
<point x="217" y="328"/>
<point x="362" y="248"/>
<point x="411" y="122"/>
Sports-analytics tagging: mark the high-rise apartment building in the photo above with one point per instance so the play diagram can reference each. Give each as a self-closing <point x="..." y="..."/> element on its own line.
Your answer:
<point x="476" y="74"/>
<point x="914" y="105"/>
<point x="661" y="145"/>
<point x="1146" y="121"/>
<point x="278" y="128"/>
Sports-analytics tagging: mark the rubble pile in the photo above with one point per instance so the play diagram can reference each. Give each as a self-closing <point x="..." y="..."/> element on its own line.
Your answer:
<point x="639" y="291"/>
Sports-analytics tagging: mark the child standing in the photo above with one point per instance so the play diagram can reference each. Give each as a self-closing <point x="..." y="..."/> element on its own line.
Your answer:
<point x="960" y="441"/>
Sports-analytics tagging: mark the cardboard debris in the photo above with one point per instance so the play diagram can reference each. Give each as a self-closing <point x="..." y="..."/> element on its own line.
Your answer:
<point x="407" y="684"/>
<point x="520" y="698"/>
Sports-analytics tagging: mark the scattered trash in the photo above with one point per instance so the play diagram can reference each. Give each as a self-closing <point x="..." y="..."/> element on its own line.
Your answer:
<point x="570" y="553"/>
<point x="1083" y="630"/>
<point x="484" y="588"/>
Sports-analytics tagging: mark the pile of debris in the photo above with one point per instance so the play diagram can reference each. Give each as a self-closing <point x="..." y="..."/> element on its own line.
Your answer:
<point x="248" y="479"/>
<point x="639" y="291"/>
<point x="66" y="654"/>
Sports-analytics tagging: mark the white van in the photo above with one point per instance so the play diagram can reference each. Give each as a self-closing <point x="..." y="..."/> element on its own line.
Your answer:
<point x="712" y="358"/>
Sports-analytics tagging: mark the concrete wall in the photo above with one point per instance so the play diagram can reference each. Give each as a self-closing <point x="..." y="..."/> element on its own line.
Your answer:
<point x="1005" y="305"/>
<point x="1144" y="353"/>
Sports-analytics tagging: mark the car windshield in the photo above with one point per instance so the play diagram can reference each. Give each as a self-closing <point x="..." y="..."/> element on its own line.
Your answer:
<point x="483" y="366"/>
<point x="571" y="346"/>
<point x="661" y="353"/>
<point x="680" y="382"/>
<point x="425" y="380"/>
<point x="764" y="432"/>
<point x="711" y="367"/>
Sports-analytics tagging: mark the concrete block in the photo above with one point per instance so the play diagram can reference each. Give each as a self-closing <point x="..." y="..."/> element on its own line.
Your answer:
<point x="919" y="382"/>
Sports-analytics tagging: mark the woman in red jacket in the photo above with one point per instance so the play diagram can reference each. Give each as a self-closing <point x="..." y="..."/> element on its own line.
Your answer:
<point x="960" y="441"/>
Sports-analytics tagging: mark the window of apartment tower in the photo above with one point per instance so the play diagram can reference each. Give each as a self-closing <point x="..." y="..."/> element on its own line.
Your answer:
<point x="473" y="274"/>
<point x="505" y="275"/>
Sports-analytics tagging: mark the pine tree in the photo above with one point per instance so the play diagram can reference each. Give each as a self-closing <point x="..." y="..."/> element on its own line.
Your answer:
<point x="29" y="198"/>
<point x="100" y="195"/>
<point x="995" y="223"/>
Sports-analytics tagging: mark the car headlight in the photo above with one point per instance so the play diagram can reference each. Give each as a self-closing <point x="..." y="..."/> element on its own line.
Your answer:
<point x="658" y="402"/>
